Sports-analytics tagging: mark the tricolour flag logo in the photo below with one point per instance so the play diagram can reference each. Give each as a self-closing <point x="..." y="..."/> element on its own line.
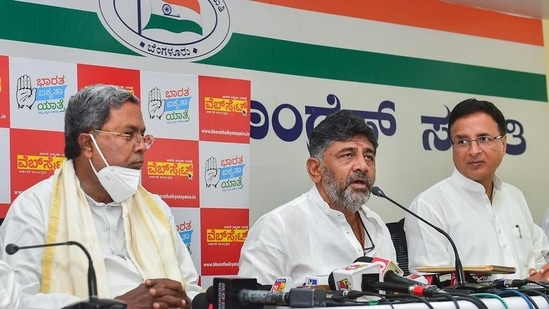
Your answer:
<point x="176" y="16"/>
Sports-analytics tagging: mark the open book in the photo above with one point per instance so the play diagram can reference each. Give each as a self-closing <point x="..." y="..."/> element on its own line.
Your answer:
<point x="475" y="269"/>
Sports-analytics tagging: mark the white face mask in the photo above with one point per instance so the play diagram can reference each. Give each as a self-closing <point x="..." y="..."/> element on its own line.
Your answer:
<point x="119" y="182"/>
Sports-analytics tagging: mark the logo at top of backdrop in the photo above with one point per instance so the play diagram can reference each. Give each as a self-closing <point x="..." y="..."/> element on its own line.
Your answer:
<point x="173" y="29"/>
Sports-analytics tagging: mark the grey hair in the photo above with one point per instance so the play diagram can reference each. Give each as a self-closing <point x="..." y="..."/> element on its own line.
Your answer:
<point x="89" y="109"/>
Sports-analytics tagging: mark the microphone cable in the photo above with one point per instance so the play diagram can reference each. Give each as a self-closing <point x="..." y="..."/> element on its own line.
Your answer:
<point x="343" y="297"/>
<point x="416" y="298"/>
<point x="492" y="295"/>
<point x="535" y="293"/>
<point x="531" y="303"/>
<point x="476" y="301"/>
<point x="445" y="296"/>
<point x="544" y="284"/>
<point x="352" y="300"/>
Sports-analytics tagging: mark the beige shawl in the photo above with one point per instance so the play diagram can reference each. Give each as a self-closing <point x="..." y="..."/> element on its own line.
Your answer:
<point x="149" y="239"/>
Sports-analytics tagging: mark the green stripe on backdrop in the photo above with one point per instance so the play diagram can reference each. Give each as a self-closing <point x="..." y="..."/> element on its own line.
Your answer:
<point x="279" y="56"/>
<point x="27" y="22"/>
<point x="33" y="23"/>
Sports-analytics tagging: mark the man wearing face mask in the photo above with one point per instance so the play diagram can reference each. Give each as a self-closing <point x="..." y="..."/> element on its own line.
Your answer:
<point x="95" y="198"/>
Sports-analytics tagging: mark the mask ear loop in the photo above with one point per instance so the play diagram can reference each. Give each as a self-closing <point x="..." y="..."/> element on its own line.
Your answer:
<point x="100" y="152"/>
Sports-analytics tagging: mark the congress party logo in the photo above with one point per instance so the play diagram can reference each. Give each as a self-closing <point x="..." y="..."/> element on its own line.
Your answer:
<point x="173" y="29"/>
<point x="49" y="93"/>
<point x="227" y="175"/>
<point x="173" y="105"/>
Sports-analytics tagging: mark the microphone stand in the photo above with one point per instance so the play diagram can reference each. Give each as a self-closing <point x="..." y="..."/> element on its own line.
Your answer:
<point x="460" y="273"/>
<point x="94" y="302"/>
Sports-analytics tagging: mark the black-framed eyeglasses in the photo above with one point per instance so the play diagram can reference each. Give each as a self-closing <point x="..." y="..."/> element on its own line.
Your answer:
<point x="147" y="139"/>
<point x="485" y="140"/>
<point x="373" y="246"/>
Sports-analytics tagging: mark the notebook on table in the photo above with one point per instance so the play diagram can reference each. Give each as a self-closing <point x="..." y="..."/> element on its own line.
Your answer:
<point x="475" y="269"/>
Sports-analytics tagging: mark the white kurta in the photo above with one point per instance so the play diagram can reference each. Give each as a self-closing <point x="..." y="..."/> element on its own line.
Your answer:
<point x="10" y="292"/>
<point x="498" y="233"/>
<point x="306" y="237"/>
<point x="545" y="226"/>
<point x="26" y="224"/>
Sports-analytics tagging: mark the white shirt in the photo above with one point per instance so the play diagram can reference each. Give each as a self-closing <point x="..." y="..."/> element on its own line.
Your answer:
<point x="26" y="224"/>
<point x="497" y="233"/>
<point x="9" y="289"/>
<point x="306" y="237"/>
<point x="545" y="222"/>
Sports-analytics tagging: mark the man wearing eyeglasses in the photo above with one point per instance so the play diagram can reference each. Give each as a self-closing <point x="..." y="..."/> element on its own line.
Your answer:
<point x="488" y="219"/>
<point x="329" y="226"/>
<point x="96" y="198"/>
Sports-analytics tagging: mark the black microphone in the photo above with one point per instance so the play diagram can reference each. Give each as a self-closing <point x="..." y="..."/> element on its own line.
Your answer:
<point x="460" y="273"/>
<point x="200" y="301"/>
<point x="240" y="293"/>
<point x="507" y="283"/>
<point x="415" y="289"/>
<point x="391" y="276"/>
<point x="94" y="301"/>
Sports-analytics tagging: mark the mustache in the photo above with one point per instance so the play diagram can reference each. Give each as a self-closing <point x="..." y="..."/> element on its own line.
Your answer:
<point x="359" y="176"/>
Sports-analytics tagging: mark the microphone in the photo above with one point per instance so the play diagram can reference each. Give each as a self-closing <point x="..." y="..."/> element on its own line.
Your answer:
<point x="240" y="293"/>
<point x="414" y="289"/>
<point x="318" y="281"/>
<point x="94" y="301"/>
<point x="200" y="301"/>
<point x="281" y="284"/>
<point x="11" y="249"/>
<point x="460" y="273"/>
<point x="390" y="271"/>
<point x="246" y="296"/>
<point x="507" y="283"/>
<point x="350" y="277"/>
<point x="386" y="265"/>
<point x="393" y="281"/>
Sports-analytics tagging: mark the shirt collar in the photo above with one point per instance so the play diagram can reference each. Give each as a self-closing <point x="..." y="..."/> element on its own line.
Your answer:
<point x="473" y="185"/>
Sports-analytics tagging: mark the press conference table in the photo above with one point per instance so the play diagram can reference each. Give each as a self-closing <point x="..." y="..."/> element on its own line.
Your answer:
<point x="514" y="302"/>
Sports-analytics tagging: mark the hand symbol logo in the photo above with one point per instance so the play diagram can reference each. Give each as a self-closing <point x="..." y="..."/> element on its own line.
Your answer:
<point x="25" y="94"/>
<point x="156" y="106"/>
<point x="211" y="173"/>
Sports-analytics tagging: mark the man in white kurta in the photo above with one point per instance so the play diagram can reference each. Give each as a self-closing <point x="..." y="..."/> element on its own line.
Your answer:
<point x="95" y="198"/>
<point x="488" y="220"/>
<point x="26" y="225"/>
<point x="500" y="233"/>
<point x="306" y="237"/>
<point x="544" y="224"/>
<point x="328" y="227"/>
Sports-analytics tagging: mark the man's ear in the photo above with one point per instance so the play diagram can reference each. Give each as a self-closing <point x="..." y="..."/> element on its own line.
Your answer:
<point x="504" y="141"/>
<point x="86" y="145"/>
<point x="313" y="168"/>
